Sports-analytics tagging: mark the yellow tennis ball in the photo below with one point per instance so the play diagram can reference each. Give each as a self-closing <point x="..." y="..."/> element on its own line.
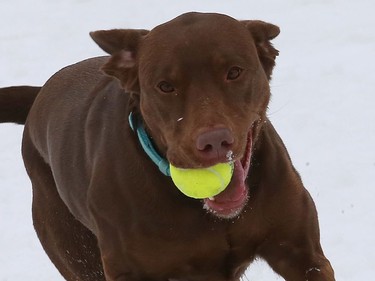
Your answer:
<point x="202" y="183"/>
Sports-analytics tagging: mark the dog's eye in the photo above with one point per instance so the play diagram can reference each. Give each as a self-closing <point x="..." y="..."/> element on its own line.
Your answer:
<point x="234" y="72"/>
<point x="166" y="87"/>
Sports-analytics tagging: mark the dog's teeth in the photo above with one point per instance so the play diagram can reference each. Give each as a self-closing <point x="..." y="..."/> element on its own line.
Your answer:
<point x="211" y="198"/>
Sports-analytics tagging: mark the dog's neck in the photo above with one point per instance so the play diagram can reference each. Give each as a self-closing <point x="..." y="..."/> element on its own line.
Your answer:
<point x="147" y="145"/>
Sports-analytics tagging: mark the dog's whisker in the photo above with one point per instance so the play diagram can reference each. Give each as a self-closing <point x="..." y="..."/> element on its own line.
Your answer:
<point x="244" y="277"/>
<point x="279" y="109"/>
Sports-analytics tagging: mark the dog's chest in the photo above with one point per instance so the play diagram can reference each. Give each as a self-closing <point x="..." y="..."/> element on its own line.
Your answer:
<point x="193" y="251"/>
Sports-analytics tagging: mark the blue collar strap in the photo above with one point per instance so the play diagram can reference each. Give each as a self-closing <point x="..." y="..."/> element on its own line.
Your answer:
<point x="147" y="145"/>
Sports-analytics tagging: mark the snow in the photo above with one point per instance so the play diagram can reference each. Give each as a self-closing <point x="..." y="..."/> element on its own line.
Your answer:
<point x="322" y="106"/>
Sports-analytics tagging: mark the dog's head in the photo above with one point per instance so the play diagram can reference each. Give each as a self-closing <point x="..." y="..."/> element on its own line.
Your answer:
<point x="201" y="84"/>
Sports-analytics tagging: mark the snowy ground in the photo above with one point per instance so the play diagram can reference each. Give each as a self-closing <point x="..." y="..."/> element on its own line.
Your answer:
<point x="323" y="107"/>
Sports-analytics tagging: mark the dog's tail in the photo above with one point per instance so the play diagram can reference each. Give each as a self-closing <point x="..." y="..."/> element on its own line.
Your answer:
<point x="15" y="103"/>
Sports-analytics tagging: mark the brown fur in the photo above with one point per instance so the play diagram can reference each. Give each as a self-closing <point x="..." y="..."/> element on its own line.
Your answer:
<point x="15" y="103"/>
<point x="103" y="210"/>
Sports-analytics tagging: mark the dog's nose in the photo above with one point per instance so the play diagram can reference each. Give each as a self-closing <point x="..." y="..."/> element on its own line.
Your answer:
<point x="215" y="144"/>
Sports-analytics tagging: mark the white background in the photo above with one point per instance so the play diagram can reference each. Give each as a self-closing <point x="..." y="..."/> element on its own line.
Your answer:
<point x="323" y="107"/>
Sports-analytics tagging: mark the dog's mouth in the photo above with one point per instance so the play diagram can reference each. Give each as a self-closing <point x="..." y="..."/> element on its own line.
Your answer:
<point x="230" y="202"/>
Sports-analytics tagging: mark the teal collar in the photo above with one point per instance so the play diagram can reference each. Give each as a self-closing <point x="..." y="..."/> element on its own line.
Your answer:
<point x="147" y="145"/>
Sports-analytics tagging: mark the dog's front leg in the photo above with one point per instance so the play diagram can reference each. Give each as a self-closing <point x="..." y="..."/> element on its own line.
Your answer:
<point x="297" y="263"/>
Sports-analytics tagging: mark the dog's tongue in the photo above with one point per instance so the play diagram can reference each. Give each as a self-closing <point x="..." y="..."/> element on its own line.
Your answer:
<point x="233" y="196"/>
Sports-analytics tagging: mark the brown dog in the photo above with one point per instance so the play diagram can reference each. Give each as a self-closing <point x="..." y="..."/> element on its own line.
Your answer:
<point x="199" y="87"/>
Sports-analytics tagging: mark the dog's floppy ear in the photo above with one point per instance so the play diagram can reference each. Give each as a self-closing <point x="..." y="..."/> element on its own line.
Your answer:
<point x="263" y="33"/>
<point x="122" y="45"/>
